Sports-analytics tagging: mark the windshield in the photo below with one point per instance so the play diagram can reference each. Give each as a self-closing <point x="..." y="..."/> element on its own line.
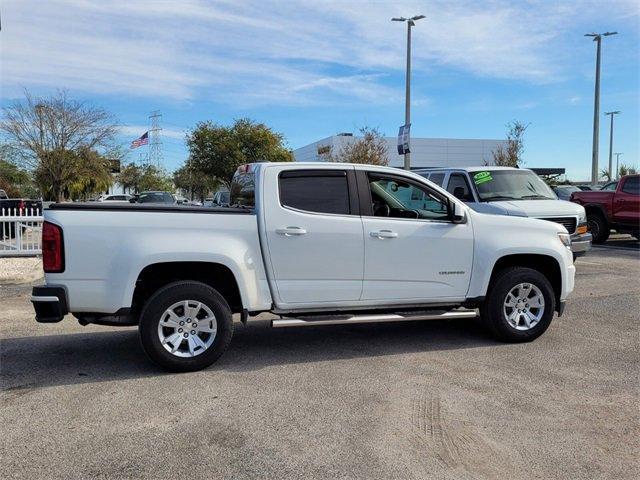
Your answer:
<point x="510" y="185"/>
<point x="156" y="197"/>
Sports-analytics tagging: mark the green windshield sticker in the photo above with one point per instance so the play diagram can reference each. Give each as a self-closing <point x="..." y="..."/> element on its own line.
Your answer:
<point x="482" y="177"/>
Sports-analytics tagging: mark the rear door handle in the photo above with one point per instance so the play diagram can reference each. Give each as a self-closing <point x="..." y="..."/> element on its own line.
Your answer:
<point x="384" y="234"/>
<point x="290" y="231"/>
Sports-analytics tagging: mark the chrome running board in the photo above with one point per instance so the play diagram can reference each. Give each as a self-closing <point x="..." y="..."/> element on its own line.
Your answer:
<point x="317" y="320"/>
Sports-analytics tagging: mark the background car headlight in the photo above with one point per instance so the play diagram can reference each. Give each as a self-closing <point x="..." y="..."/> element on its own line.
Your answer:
<point x="565" y="238"/>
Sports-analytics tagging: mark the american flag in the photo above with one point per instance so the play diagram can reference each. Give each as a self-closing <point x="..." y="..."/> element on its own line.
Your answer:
<point x="143" y="140"/>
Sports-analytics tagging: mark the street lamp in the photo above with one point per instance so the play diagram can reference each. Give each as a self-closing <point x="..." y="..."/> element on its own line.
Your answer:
<point x="597" y="37"/>
<point x="407" y="101"/>
<point x="611" y="142"/>
<point x="617" y="165"/>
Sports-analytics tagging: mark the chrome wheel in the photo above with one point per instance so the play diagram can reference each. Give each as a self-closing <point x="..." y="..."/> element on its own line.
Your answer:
<point x="523" y="306"/>
<point x="187" y="328"/>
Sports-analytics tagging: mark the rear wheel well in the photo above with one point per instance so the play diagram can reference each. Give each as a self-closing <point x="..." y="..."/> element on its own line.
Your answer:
<point x="548" y="266"/>
<point x="595" y="210"/>
<point x="157" y="275"/>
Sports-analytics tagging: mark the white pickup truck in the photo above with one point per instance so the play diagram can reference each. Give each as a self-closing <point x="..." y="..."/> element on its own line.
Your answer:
<point x="316" y="244"/>
<point x="516" y="192"/>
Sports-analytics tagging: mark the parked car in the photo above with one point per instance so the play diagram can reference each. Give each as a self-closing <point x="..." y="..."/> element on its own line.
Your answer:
<point x="617" y="209"/>
<point x="314" y="243"/>
<point x="221" y="199"/>
<point x="610" y="186"/>
<point x="208" y="202"/>
<point x="15" y="206"/>
<point x="154" y="197"/>
<point x="563" y="192"/>
<point x="120" y="197"/>
<point x="515" y="192"/>
<point x="18" y="205"/>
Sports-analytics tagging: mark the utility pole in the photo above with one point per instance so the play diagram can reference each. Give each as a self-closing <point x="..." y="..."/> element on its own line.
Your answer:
<point x="155" y="147"/>
<point x="597" y="37"/>
<point x="611" y="142"/>
<point x="407" y="101"/>
<point x="617" y="165"/>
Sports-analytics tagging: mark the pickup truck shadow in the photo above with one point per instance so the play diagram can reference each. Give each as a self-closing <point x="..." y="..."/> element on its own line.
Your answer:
<point x="43" y="361"/>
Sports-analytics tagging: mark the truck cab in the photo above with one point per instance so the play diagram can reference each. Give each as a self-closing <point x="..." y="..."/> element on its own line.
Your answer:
<point x="615" y="207"/>
<point x="514" y="192"/>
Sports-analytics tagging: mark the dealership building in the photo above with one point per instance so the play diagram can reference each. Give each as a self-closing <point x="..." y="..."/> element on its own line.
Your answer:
<point x="425" y="152"/>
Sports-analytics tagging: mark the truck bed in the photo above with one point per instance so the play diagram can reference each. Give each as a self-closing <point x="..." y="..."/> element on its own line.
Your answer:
<point x="150" y="207"/>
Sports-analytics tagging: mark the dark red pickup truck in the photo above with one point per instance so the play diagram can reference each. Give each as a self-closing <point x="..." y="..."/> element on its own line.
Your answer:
<point x="612" y="208"/>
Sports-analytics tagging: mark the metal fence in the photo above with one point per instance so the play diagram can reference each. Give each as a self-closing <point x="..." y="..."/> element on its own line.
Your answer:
<point x="20" y="232"/>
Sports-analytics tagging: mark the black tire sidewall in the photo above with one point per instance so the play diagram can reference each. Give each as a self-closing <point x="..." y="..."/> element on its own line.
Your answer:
<point x="492" y="310"/>
<point x="163" y="299"/>
<point x="602" y="233"/>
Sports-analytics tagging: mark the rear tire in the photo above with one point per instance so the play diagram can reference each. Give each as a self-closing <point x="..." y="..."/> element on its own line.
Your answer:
<point x="598" y="227"/>
<point x="185" y="326"/>
<point x="519" y="306"/>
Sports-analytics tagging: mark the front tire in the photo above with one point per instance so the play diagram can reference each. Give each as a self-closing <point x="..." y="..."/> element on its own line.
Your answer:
<point x="185" y="326"/>
<point x="519" y="306"/>
<point x="598" y="227"/>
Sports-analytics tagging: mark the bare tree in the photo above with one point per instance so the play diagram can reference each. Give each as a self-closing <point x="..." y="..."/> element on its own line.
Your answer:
<point x="50" y="132"/>
<point x="509" y="154"/>
<point x="370" y="149"/>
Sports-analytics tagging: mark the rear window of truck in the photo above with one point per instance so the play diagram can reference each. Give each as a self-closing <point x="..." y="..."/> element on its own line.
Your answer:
<point x="319" y="191"/>
<point x="242" y="192"/>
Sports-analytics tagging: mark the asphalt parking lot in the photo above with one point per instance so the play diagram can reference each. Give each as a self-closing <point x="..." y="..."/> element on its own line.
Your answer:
<point x="417" y="400"/>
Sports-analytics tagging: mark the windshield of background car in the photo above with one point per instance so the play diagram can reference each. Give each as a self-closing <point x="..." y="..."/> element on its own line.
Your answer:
<point x="155" y="198"/>
<point x="510" y="185"/>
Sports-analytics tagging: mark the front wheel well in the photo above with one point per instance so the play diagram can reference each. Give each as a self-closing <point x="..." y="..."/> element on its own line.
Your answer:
<point x="155" y="276"/>
<point x="546" y="265"/>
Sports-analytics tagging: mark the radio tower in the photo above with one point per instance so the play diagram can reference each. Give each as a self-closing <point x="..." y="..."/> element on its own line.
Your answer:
<point x="155" y="145"/>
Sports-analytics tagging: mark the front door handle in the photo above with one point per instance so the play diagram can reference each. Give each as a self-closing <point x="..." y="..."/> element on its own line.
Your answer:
<point x="384" y="234"/>
<point x="290" y="231"/>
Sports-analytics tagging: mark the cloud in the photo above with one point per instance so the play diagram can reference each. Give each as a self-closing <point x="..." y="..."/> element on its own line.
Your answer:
<point x="251" y="52"/>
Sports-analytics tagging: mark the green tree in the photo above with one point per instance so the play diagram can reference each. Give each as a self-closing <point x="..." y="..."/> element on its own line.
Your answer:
<point x="75" y="174"/>
<point x="510" y="153"/>
<point x="93" y="175"/>
<point x="605" y="174"/>
<point x="198" y="184"/>
<point x="129" y="177"/>
<point x="14" y="180"/>
<point x="154" y="178"/>
<point x="218" y="150"/>
<point x="370" y="148"/>
<point x="51" y="133"/>
<point x="625" y="169"/>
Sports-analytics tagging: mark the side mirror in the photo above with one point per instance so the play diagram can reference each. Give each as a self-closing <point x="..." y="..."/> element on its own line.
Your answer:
<point x="458" y="192"/>
<point x="458" y="213"/>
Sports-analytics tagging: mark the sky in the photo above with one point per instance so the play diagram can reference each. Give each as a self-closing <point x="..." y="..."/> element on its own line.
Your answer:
<point x="311" y="69"/>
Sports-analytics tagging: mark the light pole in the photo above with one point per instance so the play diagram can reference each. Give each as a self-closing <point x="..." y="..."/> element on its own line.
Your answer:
<point x="407" y="101"/>
<point x="597" y="37"/>
<point x="617" y="165"/>
<point x="611" y="143"/>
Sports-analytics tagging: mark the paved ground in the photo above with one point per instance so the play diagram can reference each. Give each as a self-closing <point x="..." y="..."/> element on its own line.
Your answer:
<point x="419" y="400"/>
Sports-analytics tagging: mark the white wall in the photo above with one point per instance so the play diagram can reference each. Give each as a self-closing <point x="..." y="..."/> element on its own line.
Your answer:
<point x="425" y="152"/>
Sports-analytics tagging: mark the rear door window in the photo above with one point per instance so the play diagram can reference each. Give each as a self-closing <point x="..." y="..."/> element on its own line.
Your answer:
<point x="458" y="181"/>
<point x="631" y="186"/>
<point x="319" y="191"/>
<point x="437" y="178"/>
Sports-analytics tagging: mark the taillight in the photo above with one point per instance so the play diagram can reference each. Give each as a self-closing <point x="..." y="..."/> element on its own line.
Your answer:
<point x="21" y="207"/>
<point x="52" y="248"/>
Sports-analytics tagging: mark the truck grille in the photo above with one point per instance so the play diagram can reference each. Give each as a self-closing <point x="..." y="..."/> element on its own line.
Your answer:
<point x="567" y="222"/>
